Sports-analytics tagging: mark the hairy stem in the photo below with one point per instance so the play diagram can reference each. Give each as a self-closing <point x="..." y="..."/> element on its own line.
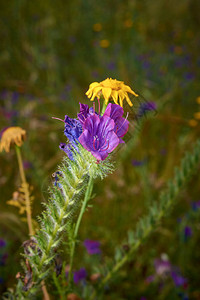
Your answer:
<point x="83" y="207"/>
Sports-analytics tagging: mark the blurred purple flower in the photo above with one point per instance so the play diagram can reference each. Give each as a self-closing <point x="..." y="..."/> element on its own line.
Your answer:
<point x="92" y="247"/>
<point x="2" y="243"/>
<point x="146" y="106"/>
<point x="162" y="267"/>
<point x="80" y="275"/>
<point x="138" y="163"/>
<point x="27" y="164"/>
<point x="146" y="65"/>
<point x="98" y="136"/>
<point x="187" y="232"/>
<point x="189" y="76"/>
<point x="163" y="151"/>
<point x="111" y="66"/>
<point x="15" y="97"/>
<point x="1" y="280"/>
<point x="178" y="279"/>
<point x="195" y="205"/>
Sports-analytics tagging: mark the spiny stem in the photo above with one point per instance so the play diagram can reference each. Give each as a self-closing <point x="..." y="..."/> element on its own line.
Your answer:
<point x="83" y="207"/>
<point x="28" y="207"/>
<point x="26" y="192"/>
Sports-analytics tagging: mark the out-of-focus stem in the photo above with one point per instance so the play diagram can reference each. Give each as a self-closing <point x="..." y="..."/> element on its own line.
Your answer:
<point x="44" y="290"/>
<point x="28" y="207"/>
<point x="26" y="192"/>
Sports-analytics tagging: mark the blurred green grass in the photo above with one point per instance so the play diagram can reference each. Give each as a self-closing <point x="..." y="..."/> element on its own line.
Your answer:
<point x="49" y="54"/>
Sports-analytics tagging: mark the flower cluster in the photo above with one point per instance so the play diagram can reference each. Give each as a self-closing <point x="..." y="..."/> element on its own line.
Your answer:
<point x="98" y="134"/>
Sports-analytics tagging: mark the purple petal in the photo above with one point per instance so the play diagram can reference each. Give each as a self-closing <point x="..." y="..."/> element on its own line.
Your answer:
<point x="106" y="125"/>
<point x="121" y="127"/>
<point x="84" y="112"/>
<point x="114" y="111"/>
<point x="91" y="124"/>
<point x="85" y="140"/>
<point x="113" y="141"/>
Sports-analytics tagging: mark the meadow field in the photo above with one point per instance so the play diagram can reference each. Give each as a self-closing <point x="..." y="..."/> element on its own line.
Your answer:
<point x="139" y="236"/>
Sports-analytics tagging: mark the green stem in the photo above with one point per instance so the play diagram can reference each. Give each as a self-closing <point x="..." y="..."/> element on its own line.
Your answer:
<point x="26" y="191"/>
<point x="83" y="207"/>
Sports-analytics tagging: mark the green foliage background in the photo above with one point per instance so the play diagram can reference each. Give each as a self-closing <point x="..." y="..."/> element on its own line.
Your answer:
<point x="49" y="54"/>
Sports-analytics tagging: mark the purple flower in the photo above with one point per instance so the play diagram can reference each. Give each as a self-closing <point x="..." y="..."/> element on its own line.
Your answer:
<point x="187" y="232"/>
<point x="138" y="163"/>
<point x="146" y="106"/>
<point x="195" y="205"/>
<point x="73" y="129"/>
<point x="84" y="112"/>
<point x="1" y="280"/>
<point x="15" y="97"/>
<point x="27" y="164"/>
<point x="80" y="275"/>
<point x="68" y="149"/>
<point x="98" y="136"/>
<point x="178" y="279"/>
<point x="162" y="267"/>
<point x="2" y="243"/>
<point x="116" y="112"/>
<point x="93" y="247"/>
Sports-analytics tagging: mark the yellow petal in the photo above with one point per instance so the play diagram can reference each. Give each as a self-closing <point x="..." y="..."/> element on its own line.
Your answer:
<point x="93" y="85"/>
<point x="121" y="98"/>
<point x="96" y="91"/>
<point x="128" y="99"/>
<point x="114" y="95"/>
<point x="129" y="90"/>
<point x="106" y="93"/>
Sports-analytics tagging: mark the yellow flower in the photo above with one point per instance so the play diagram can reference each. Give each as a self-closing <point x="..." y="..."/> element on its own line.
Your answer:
<point x="104" y="43"/>
<point x="128" y="23"/>
<point x="197" y="115"/>
<point x="198" y="100"/>
<point x="192" y="123"/>
<point x="12" y="135"/>
<point x="110" y="88"/>
<point x="97" y="27"/>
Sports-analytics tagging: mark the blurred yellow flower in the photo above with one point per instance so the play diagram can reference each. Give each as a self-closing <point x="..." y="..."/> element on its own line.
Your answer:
<point x="104" y="43"/>
<point x="198" y="100"/>
<point x="128" y="23"/>
<point x="110" y="88"/>
<point x="192" y="123"/>
<point x="197" y="115"/>
<point x="97" y="27"/>
<point x="12" y="135"/>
